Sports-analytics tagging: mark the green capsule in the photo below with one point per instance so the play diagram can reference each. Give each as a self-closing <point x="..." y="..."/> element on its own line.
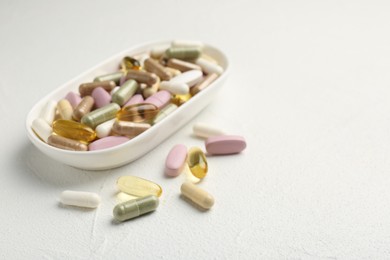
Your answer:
<point x="116" y="77"/>
<point x="125" y="92"/>
<point x="183" y="53"/>
<point x="134" y="208"/>
<point x="100" y="115"/>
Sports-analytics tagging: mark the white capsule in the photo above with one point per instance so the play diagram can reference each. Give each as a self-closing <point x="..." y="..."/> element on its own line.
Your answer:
<point x="158" y="51"/>
<point x="42" y="128"/>
<point x="187" y="44"/>
<point x="179" y="88"/>
<point x="49" y="111"/>
<point x="205" y="130"/>
<point x="190" y="77"/>
<point x="209" y="67"/>
<point x="104" y="129"/>
<point x="80" y="199"/>
<point x="114" y="90"/>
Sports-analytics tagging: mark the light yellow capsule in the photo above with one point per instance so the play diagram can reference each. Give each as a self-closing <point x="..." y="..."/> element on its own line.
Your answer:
<point x="65" y="109"/>
<point x="74" y="130"/>
<point x="197" y="195"/>
<point x="197" y="162"/>
<point x="138" y="187"/>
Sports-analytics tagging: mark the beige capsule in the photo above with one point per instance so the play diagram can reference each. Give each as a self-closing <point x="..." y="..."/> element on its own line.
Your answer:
<point x="84" y="107"/>
<point x="66" y="143"/>
<point x="182" y="65"/>
<point x="149" y="91"/>
<point x="153" y="66"/>
<point x="141" y="77"/>
<point x="86" y="89"/>
<point x="172" y="71"/>
<point x="129" y="129"/>
<point x="65" y="109"/>
<point x="197" y="195"/>
<point x="203" y="84"/>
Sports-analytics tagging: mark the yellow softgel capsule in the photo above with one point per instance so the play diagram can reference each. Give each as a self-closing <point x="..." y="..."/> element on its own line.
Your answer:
<point x="138" y="187"/>
<point x="197" y="162"/>
<point x="74" y="130"/>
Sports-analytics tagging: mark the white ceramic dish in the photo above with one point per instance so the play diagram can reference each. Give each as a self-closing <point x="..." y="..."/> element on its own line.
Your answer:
<point x="140" y="145"/>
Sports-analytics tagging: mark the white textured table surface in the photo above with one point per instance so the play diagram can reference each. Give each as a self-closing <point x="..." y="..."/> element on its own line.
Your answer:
<point x="309" y="90"/>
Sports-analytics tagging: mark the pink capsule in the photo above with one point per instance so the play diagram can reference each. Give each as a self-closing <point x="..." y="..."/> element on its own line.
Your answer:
<point x="176" y="160"/>
<point x="160" y="99"/>
<point x="107" y="142"/>
<point x="101" y="97"/>
<point x="225" y="144"/>
<point x="136" y="99"/>
<point x="73" y="98"/>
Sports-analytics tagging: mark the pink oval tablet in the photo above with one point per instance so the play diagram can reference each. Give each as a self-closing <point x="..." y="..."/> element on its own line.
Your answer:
<point x="160" y="99"/>
<point x="225" y="144"/>
<point x="176" y="160"/>
<point x="136" y="99"/>
<point x="73" y="98"/>
<point x="101" y="97"/>
<point x="107" y="142"/>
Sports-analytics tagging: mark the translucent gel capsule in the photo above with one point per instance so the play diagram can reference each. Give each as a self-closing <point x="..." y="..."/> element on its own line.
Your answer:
<point x="134" y="208"/>
<point x="74" y="130"/>
<point x="164" y="112"/>
<point x="66" y="143"/>
<point x="129" y="129"/>
<point x="154" y="67"/>
<point x="130" y="63"/>
<point x="125" y="92"/>
<point x="142" y="112"/>
<point x="115" y="77"/>
<point x="180" y="99"/>
<point x="197" y="162"/>
<point x="138" y="187"/>
<point x="86" y="89"/>
<point x="183" y="53"/>
<point x="100" y="115"/>
<point x="197" y="195"/>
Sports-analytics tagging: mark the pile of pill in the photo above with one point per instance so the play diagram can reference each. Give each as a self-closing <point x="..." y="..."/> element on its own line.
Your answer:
<point x="148" y="192"/>
<point x="123" y="104"/>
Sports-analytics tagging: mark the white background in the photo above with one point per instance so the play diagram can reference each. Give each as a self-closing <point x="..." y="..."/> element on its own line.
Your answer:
<point x="309" y="90"/>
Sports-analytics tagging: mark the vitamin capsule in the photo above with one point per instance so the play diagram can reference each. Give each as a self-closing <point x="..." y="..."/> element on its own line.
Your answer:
<point x="225" y="144"/>
<point x="65" y="109"/>
<point x="183" y="53"/>
<point x="158" y="51"/>
<point x="107" y="142"/>
<point x="160" y="99"/>
<point x="172" y="71"/>
<point x="151" y="90"/>
<point x="176" y="159"/>
<point x="130" y="63"/>
<point x="181" y="99"/>
<point x="86" y="89"/>
<point x="80" y="199"/>
<point x="190" y="77"/>
<point x="187" y="44"/>
<point x="140" y="76"/>
<point x="143" y="112"/>
<point x="136" y="99"/>
<point x="100" y="115"/>
<point x="66" y="143"/>
<point x="129" y="129"/>
<point x="49" y="111"/>
<point x="156" y="68"/>
<point x="115" y="77"/>
<point x="41" y="129"/>
<point x="197" y="162"/>
<point x="209" y="67"/>
<point x="197" y="195"/>
<point x="205" y="130"/>
<point x="125" y="92"/>
<point x="74" y="130"/>
<point x="168" y="109"/>
<point x="203" y="84"/>
<point x="138" y="187"/>
<point x="104" y="129"/>
<point x="181" y="65"/>
<point x="134" y="208"/>
<point x="101" y="97"/>
<point x="114" y="90"/>
<point x="73" y="98"/>
<point x="83" y="108"/>
<point x="175" y="87"/>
